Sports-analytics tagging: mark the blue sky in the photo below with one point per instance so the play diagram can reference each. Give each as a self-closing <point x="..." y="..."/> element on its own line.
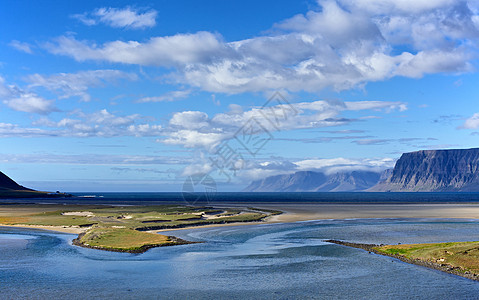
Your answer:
<point x="137" y="96"/>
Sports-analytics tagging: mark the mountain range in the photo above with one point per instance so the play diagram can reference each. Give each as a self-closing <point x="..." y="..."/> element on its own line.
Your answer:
<point x="309" y="181"/>
<point x="455" y="170"/>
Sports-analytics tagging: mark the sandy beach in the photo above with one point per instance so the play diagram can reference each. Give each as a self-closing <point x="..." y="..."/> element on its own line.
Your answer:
<point x="64" y="229"/>
<point x="303" y="212"/>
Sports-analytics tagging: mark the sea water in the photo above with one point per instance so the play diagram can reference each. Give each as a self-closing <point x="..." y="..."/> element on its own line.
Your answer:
<point x="266" y="261"/>
<point x="252" y="198"/>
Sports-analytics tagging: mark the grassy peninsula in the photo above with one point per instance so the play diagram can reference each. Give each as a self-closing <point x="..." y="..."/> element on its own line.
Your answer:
<point x="459" y="258"/>
<point x="124" y="228"/>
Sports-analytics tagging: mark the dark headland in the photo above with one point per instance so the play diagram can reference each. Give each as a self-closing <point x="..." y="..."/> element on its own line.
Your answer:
<point x="10" y="189"/>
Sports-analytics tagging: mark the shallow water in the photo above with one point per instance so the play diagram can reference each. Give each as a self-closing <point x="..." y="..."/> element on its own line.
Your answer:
<point x="267" y="261"/>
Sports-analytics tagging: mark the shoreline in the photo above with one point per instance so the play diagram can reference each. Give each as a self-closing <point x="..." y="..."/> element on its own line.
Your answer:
<point x="297" y="212"/>
<point x="293" y="212"/>
<point x="372" y="248"/>
<point x="60" y="229"/>
<point x="174" y="241"/>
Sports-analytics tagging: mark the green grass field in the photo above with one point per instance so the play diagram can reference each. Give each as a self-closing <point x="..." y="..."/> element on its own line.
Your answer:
<point x="122" y="228"/>
<point x="121" y="239"/>
<point x="461" y="255"/>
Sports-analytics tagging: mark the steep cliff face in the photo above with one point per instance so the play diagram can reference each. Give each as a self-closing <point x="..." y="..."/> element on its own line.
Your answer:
<point x="308" y="181"/>
<point x="434" y="171"/>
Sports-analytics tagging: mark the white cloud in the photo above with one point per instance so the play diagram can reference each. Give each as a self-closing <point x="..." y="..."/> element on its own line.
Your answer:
<point x="145" y="130"/>
<point x="472" y="122"/>
<point x="194" y="129"/>
<point x="403" y="6"/>
<point x="190" y="120"/>
<point x="31" y="103"/>
<point x="106" y="118"/>
<point x="167" y="97"/>
<point x="127" y="17"/>
<point x="345" y="164"/>
<point x="21" y="46"/>
<point x="344" y="45"/>
<point x="77" y="84"/>
<point x="254" y="170"/>
<point x="20" y="100"/>
<point x="376" y="105"/>
<point x="195" y="139"/>
<point x="180" y="50"/>
<point x="99" y="124"/>
<point x="13" y="130"/>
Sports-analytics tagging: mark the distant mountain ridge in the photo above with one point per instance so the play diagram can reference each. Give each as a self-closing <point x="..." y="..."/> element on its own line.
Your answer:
<point x="309" y="181"/>
<point x="455" y="170"/>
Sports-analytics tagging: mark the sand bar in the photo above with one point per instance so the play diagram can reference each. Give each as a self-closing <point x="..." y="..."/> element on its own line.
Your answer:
<point x="304" y="212"/>
<point x="295" y="212"/>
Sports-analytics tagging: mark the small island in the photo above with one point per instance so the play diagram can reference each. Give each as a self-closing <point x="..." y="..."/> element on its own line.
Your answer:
<point x="458" y="258"/>
<point x="124" y="228"/>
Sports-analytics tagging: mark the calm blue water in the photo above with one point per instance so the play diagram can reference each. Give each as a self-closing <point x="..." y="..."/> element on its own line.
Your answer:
<point x="219" y="198"/>
<point x="267" y="261"/>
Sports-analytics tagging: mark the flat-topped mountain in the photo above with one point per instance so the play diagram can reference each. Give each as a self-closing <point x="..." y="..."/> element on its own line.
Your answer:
<point x="455" y="170"/>
<point x="309" y="181"/>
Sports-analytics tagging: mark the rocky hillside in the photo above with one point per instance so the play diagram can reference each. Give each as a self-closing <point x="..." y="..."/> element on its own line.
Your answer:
<point x="308" y="181"/>
<point x="434" y="171"/>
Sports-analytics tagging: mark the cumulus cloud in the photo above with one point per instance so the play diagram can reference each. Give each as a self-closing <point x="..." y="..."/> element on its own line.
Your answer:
<point x="127" y="17"/>
<point x="21" y="100"/>
<point x="196" y="129"/>
<point x="77" y="84"/>
<point x="472" y="122"/>
<point x="31" y="103"/>
<point x="343" y="45"/>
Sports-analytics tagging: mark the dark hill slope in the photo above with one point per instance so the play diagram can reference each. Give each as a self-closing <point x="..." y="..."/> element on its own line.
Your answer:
<point x="6" y="183"/>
